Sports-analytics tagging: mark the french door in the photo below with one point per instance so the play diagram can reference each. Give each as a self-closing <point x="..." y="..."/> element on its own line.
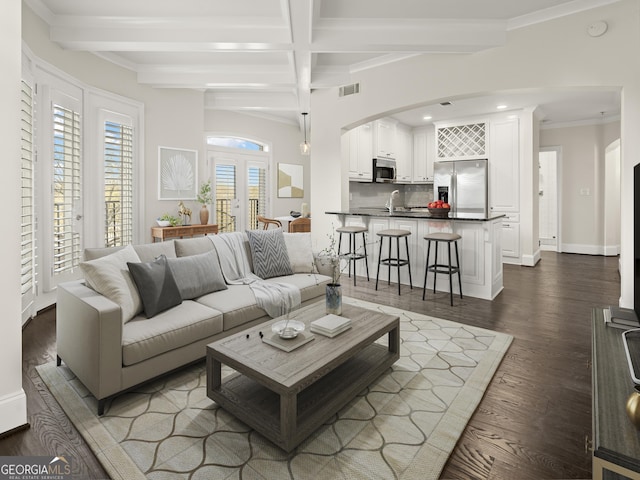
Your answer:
<point x="60" y="184"/>
<point x="240" y="183"/>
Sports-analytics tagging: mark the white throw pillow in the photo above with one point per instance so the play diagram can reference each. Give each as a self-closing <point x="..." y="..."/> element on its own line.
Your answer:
<point x="109" y="276"/>
<point x="299" y="250"/>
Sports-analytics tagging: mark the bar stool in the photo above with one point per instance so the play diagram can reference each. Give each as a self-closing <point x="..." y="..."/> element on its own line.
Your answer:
<point x="352" y="255"/>
<point x="394" y="261"/>
<point x="436" y="267"/>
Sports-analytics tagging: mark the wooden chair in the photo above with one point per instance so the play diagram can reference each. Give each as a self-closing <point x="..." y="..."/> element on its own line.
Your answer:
<point x="300" y="225"/>
<point x="268" y="221"/>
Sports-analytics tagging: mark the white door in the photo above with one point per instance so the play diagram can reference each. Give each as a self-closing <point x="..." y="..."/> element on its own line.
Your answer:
<point x="60" y="182"/>
<point x="548" y="199"/>
<point x="240" y="184"/>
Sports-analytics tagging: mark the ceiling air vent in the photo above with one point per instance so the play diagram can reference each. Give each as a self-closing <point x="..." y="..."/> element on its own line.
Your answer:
<point x="349" y="89"/>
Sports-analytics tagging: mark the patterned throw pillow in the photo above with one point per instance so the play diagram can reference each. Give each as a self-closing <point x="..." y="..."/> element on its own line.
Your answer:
<point x="156" y="285"/>
<point x="269" y="253"/>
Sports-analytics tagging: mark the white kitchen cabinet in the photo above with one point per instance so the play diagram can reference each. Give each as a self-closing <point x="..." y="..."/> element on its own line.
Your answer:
<point x="504" y="166"/>
<point x="385" y="138"/>
<point x="422" y="156"/>
<point x="404" y="155"/>
<point x="511" y="240"/>
<point x="357" y="146"/>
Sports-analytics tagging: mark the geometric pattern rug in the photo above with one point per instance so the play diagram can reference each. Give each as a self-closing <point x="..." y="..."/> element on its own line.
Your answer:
<point x="403" y="426"/>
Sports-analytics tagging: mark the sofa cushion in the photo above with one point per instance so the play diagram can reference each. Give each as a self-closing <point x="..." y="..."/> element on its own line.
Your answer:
<point x="197" y="275"/>
<point x="184" y="324"/>
<point x="150" y="251"/>
<point x="110" y="277"/>
<point x="299" y="251"/>
<point x="269" y="253"/>
<point x="156" y="285"/>
<point x="237" y="304"/>
<point x="311" y="285"/>
<point x="193" y="246"/>
<point x="94" y="253"/>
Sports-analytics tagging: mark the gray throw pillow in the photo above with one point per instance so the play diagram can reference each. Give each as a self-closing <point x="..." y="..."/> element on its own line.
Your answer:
<point x="269" y="253"/>
<point x="197" y="275"/>
<point x="156" y="285"/>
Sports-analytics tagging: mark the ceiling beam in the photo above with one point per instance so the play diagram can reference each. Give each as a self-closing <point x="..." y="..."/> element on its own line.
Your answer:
<point x="300" y="13"/>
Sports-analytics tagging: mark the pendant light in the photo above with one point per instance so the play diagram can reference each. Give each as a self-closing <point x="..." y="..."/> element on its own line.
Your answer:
<point x="305" y="147"/>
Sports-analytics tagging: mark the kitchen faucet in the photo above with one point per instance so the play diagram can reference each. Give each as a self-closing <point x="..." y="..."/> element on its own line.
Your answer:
<point x="394" y="195"/>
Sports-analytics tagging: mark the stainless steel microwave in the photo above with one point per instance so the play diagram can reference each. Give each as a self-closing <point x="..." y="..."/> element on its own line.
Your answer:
<point x="384" y="170"/>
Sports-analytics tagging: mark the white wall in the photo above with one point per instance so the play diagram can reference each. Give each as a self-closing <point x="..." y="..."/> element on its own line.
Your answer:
<point x="555" y="54"/>
<point x="13" y="404"/>
<point x="284" y="140"/>
<point x="583" y="183"/>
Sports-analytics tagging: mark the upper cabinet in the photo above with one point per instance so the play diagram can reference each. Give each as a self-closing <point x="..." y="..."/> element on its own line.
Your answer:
<point x="504" y="166"/>
<point x="357" y="146"/>
<point x="404" y="154"/>
<point x="384" y="138"/>
<point x="423" y="151"/>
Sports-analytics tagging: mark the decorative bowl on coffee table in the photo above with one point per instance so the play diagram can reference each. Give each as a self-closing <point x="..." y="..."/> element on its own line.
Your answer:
<point x="287" y="328"/>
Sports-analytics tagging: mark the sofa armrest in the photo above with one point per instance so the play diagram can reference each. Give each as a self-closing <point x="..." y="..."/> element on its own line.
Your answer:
<point x="89" y="337"/>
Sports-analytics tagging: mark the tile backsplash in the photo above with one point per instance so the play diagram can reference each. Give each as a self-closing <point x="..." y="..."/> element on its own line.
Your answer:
<point x="377" y="194"/>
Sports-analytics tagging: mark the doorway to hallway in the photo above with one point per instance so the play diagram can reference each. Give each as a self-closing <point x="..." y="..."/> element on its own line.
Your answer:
<point x="549" y="200"/>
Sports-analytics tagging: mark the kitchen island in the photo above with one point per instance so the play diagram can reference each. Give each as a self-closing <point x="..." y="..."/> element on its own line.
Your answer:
<point x="480" y="247"/>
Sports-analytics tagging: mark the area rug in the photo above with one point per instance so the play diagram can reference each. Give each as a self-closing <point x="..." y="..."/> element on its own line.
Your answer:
<point x="403" y="426"/>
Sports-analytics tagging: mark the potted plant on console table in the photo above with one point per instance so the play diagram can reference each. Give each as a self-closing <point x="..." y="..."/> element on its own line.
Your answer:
<point x="205" y="197"/>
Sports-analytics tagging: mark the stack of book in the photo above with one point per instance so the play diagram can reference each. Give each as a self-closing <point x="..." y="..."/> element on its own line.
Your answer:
<point x="330" y="325"/>
<point x="622" y="318"/>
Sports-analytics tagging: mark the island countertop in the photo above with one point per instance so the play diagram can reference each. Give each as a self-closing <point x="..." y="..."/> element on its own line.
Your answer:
<point x="480" y="246"/>
<point x="414" y="213"/>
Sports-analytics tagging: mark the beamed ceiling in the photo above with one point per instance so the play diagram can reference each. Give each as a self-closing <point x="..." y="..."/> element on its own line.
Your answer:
<point x="265" y="56"/>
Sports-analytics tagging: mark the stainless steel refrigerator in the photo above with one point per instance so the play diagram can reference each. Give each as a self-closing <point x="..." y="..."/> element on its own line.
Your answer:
<point x="464" y="185"/>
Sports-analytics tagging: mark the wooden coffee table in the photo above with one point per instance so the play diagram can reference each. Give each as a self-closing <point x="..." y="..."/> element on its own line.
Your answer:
<point x="286" y="396"/>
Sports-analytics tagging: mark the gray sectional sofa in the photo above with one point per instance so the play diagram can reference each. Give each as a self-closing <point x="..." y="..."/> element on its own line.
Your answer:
<point x="111" y="345"/>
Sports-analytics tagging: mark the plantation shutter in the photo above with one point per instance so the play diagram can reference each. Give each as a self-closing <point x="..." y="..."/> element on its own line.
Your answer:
<point x="226" y="193"/>
<point x="28" y="239"/>
<point x="118" y="184"/>
<point x="66" y="189"/>
<point x="257" y="190"/>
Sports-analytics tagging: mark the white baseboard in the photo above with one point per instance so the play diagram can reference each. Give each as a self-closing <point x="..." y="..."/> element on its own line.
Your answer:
<point x="612" y="250"/>
<point x="13" y="411"/>
<point x="582" y="249"/>
<point x="531" y="260"/>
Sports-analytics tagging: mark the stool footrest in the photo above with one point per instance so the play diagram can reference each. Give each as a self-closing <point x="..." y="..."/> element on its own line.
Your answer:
<point x="440" y="268"/>
<point x="394" y="262"/>
<point x="352" y="256"/>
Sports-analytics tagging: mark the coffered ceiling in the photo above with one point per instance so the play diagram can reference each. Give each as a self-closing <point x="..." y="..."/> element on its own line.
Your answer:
<point x="265" y="56"/>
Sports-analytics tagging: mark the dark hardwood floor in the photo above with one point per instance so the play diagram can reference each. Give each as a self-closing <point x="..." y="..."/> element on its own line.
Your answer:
<point x="534" y="418"/>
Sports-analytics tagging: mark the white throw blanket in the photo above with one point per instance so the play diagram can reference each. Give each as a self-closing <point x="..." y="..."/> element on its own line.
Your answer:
<point x="274" y="298"/>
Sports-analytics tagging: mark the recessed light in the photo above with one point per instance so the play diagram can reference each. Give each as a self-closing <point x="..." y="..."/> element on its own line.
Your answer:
<point x="501" y="107"/>
<point x="427" y="117"/>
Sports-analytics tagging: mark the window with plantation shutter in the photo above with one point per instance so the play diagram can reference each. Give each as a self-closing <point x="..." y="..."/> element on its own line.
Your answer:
<point x="257" y="185"/>
<point x="241" y="191"/>
<point x="225" y="186"/>
<point x="66" y="189"/>
<point x="28" y="234"/>
<point x="118" y="184"/>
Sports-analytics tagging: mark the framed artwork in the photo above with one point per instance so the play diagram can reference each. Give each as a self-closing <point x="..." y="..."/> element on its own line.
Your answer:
<point x="290" y="180"/>
<point x="177" y="174"/>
